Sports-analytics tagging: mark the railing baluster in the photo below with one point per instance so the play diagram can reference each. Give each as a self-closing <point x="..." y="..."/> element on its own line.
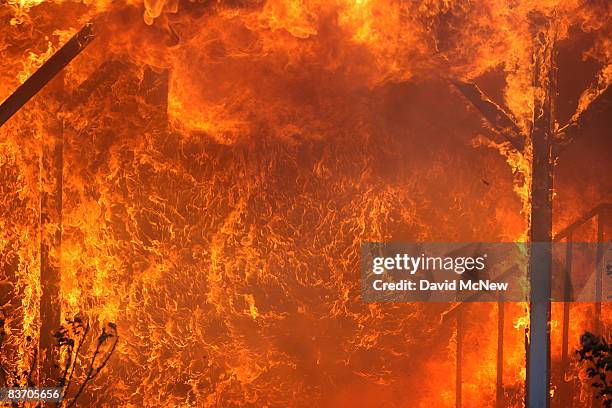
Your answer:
<point x="566" y="395"/>
<point x="597" y="323"/>
<point x="499" y="390"/>
<point x="459" y="352"/>
<point x="598" y="271"/>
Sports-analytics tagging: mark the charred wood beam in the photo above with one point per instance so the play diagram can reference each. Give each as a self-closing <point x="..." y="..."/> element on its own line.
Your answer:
<point x="501" y="121"/>
<point x="537" y="394"/>
<point x="46" y="72"/>
<point x="102" y="78"/>
<point x="51" y="179"/>
<point x="570" y="132"/>
<point x="154" y="87"/>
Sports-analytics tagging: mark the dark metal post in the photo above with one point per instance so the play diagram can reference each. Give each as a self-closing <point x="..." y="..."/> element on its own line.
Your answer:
<point x="599" y="271"/>
<point x="566" y="395"/>
<point x="598" y="284"/>
<point x="499" y="389"/>
<point x="458" y="357"/>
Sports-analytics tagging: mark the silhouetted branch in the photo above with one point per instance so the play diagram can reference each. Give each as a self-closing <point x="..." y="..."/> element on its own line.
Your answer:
<point x="78" y="350"/>
<point x="100" y="356"/>
<point x="72" y="333"/>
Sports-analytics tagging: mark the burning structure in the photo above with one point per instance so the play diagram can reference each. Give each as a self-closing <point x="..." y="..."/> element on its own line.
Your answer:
<point x="201" y="174"/>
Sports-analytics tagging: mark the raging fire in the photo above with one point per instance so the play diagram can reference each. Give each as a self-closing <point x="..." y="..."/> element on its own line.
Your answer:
<point x="221" y="161"/>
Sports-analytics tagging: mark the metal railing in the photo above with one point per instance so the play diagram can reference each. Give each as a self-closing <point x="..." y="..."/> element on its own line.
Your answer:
<point x="600" y="212"/>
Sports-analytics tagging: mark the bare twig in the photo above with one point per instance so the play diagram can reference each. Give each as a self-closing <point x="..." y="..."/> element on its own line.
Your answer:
<point x="76" y="355"/>
<point x="92" y="371"/>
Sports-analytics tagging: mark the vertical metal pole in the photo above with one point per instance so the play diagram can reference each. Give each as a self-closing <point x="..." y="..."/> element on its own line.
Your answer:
<point x="598" y="278"/>
<point x="459" y="352"/>
<point x="499" y="389"/>
<point x="566" y="397"/>
<point x="599" y="271"/>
